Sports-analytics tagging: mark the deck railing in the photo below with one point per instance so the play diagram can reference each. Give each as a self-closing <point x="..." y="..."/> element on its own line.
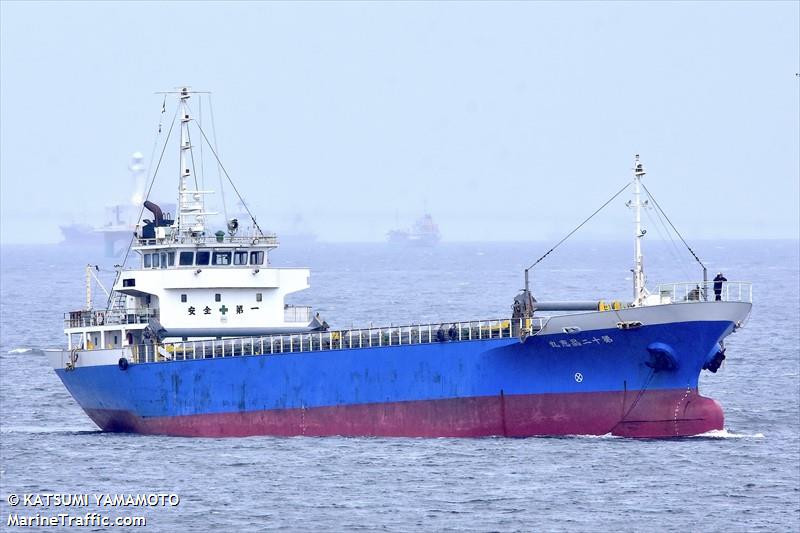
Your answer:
<point x="297" y="313"/>
<point x="699" y="291"/>
<point x="337" y="340"/>
<point x="268" y="239"/>
<point x="82" y="318"/>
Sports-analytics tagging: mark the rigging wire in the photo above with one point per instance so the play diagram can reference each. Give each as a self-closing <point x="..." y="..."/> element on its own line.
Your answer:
<point x="149" y="189"/>
<point x="666" y="235"/>
<point x="97" y="281"/>
<point x="678" y="233"/>
<point x="680" y="257"/>
<point x="155" y="139"/>
<point x="219" y="165"/>
<point x="579" y="226"/>
<point x="658" y="223"/>
<point x="153" y="177"/>
<point x="202" y="168"/>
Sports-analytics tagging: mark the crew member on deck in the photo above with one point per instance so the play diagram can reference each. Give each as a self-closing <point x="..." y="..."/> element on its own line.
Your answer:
<point x="694" y="294"/>
<point x="452" y="332"/>
<point x="718" y="286"/>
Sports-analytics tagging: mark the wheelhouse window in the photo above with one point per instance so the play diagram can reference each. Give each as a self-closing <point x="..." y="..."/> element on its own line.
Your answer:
<point x="201" y="258"/>
<point x="171" y="258"/>
<point x="239" y="258"/>
<point x="156" y="261"/>
<point x="256" y="258"/>
<point x="186" y="259"/>
<point x="147" y="262"/>
<point x="163" y="259"/>
<point x="222" y="258"/>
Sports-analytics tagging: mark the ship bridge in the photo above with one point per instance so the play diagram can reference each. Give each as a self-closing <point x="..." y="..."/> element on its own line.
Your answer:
<point x="192" y="283"/>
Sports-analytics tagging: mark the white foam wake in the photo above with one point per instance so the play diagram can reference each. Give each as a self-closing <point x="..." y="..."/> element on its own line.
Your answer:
<point x="725" y="434"/>
<point x="24" y="350"/>
<point x="40" y="430"/>
<point x="21" y="350"/>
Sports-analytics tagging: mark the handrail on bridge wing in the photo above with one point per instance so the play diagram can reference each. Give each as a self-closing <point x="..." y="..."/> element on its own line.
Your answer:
<point x="699" y="291"/>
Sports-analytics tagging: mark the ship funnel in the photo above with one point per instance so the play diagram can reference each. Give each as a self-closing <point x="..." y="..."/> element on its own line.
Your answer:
<point x="157" y="214"/>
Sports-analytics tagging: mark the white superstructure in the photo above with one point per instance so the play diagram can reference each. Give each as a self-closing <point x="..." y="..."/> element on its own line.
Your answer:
<point x="186" y="284"/>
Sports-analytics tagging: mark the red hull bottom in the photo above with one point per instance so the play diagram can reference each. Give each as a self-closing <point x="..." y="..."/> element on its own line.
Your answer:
<point x="653" y="414"/>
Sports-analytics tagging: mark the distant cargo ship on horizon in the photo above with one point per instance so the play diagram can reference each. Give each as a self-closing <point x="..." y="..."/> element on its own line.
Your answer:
<point x="119" y="220"/>
<point x="297" y="233"/>
<point x="424" y="232"/>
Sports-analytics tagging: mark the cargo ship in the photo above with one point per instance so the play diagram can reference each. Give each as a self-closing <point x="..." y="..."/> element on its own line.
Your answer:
<point x="77" y="234"/>
<point x="424" y="232"/>
<point x="119" y="220"/>
<point x="196" y="340"/>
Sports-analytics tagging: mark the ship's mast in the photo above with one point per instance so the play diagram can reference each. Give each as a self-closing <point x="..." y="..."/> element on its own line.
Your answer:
<point x="88" y="287"/>
<point x="191" y="208"/>
<point x="639" y="291"/>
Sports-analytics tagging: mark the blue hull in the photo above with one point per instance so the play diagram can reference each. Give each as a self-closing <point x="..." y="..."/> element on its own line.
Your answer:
<point x="608" y="371"/>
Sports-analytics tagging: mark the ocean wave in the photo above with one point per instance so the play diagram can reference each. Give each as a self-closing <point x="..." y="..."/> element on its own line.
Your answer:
<point x="604" y="436"/>
<point x="22" y="350"/>
<point x="566" y="437"/>
<point x="725" y="434"/>
<point x="64" y="430"/>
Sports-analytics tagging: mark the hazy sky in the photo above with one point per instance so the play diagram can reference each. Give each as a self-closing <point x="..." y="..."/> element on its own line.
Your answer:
<point x="507" y="121"/>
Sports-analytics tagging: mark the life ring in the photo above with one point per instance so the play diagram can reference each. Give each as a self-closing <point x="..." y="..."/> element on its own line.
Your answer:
<point x="122" y="363"/>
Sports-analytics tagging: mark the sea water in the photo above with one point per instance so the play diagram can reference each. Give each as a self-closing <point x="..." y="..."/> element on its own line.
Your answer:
<point x="744" y="478"/>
